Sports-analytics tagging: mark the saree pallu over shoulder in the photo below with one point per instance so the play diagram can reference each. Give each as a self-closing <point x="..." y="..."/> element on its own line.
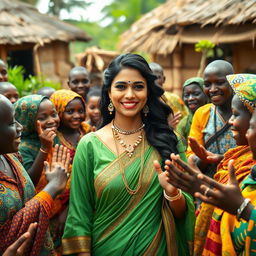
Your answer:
<point x="208" y="239"/>
<point x="114" y="221"/>
<point x="20" y="209"/>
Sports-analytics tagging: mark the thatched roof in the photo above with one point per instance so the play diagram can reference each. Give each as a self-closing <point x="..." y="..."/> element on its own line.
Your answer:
<point x="95" y="59"/>
<point x="22" y="23"/>
<point x="189" y="21"/>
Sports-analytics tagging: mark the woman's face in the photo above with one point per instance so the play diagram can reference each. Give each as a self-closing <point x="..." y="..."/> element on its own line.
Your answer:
<point x="93" y="109"/>
<point x="10" y="129"/>
<point x="73" y="115"/>
<point x="251" y="135"/>
<point x="216" y="87"/>
<point x="194" y="97"/>
<point x="239" y="121"/>
<point x="128" y="93"/>
<point x="48" y="116"/>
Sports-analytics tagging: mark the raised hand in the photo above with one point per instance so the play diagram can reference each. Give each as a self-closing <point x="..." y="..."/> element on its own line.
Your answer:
<point x="46" y="137"/>
<point x="22" y="243"/>
<point x="182" y="175"/>
<point x="173" y="120"/>
<point x="164" y="179"/>
<point x="225" y="196"/>
<point x="201" y="152"/>
<point x="57" y="174"/>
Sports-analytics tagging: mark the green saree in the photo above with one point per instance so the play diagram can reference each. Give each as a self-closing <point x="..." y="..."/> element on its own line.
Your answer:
<point x="104" y="219"/>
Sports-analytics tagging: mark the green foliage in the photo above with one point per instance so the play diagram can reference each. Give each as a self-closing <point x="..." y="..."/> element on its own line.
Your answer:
<point x="206" y="47"/>
<point x="29" y="85"/>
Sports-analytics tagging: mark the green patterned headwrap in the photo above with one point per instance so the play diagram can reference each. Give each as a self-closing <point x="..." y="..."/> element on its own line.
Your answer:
<point x="26" y="109"/>
<point x="194" y="80"/>
<point x="244" y="86"/>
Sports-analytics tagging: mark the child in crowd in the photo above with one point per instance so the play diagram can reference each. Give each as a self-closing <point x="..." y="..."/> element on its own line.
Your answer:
<point x="9" y="91"/>
<point x="3" y="72"/>
<point x="46" y="91"/>
<point x="194" y="97"/>
<point x="78" y="81"/>
<point x="210" y="132"/>
<point x="71" y="110"/>
<point x="93" y="107"/>
<point x="174" y="101"/>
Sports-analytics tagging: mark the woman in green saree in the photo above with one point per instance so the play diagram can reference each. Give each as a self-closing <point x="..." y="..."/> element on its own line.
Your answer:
<point x="118" y="203"/>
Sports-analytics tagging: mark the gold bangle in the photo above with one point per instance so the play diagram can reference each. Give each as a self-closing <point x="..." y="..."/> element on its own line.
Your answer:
<point x="173" y="198"/>
<point x="43" y="151"/>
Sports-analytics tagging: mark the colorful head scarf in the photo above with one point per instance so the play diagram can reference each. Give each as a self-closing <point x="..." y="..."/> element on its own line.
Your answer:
<point x="26" y="109"/>
<point x="61" y="98"/>
<point x="194" y="80"/>
<point x="244" y="86"/>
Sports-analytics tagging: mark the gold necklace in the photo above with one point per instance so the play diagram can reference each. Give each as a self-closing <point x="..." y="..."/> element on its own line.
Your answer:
<point x="128" y="147"/>
<point x="128" y="189"/>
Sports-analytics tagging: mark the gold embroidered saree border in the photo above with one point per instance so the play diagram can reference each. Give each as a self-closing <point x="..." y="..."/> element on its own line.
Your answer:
<point x="111" y="171"/>
<point x="153" y="247"/>
<point x="76" y="244"/>
<point x="135" y="199"/>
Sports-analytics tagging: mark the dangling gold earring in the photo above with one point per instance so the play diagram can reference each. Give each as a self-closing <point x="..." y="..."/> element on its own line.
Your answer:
<point x="111" y="107"/>
<point x="145" y="110"/>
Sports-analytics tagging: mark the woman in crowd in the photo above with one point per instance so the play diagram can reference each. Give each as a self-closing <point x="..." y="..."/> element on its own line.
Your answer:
<point x="216" y="231"/>
<point x="194" y="98"/>
<point x="19" y="206"/>
<point x="210" y="131"/>
<point x="117" y="206"/>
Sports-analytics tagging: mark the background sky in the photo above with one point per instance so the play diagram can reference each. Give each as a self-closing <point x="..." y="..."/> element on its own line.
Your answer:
<point x="92" y="13"/>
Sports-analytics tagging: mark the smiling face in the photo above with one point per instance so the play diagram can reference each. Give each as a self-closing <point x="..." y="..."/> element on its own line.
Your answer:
<point x="239" y="121"/>
<point x="10" y="129"/>
<point x="128" y="93"/>
<point x="79" y="82"/>
<point x="47" y="115"/>
<point x="216" y="86"/>
<point x="74" y="114"/>
<point x="93" y="109"/>
<point x="251" y="134"/>
<point x="193" y="97"/>
<point x="9" y="91"/>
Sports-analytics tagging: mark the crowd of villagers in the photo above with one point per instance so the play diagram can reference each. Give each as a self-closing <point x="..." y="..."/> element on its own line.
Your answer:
<point x="125" y="168"/>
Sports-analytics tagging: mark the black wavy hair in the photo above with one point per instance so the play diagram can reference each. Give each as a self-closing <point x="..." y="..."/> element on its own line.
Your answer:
<point x="158" y="133"/>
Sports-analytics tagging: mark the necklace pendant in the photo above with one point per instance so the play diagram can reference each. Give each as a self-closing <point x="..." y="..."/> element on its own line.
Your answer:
<point x="130" y="148"/>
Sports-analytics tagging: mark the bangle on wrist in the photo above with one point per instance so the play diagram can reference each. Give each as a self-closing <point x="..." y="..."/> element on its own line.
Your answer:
<point x="173" y="198"/>
<point x="43" y="151"/>
<point x="242" y="207"/>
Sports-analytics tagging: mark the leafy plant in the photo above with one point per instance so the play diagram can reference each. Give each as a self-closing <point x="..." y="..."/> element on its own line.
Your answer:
<point x="29" y="85"/>
<point x="206" y="48"/>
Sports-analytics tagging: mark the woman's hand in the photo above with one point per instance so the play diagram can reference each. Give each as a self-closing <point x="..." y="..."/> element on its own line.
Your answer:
<point x="201" y="152"/>
<point x="46" y="137"/>
<point x="182" y="175"/>
<point x="19" y="247"/>
<point x="225" y="196"/>
<point x="173" y="120"/>
<point x="164" y="180"/>
<point x="57" y="174"/>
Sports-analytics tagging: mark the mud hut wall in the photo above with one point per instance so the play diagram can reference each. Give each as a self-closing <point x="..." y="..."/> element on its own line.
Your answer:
<point x="244" y="56"/>
<point x="182" y="64"/>
<point x="3" y="53"/>
<point x="54" y="62"/>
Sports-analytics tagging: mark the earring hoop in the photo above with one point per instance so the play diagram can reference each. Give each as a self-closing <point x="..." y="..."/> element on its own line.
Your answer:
<point x="111" y="107"/>
<point x="145" y="110"/>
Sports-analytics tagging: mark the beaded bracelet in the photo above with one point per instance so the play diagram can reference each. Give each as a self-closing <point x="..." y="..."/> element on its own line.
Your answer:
<point x="242" y="207"/>
<point x="173" y="198"/>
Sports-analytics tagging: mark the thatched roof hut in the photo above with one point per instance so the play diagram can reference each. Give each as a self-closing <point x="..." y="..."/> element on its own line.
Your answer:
<point x="170" y="31"/>
<point x="37" y="41"/>
<point x="95" y="60"/>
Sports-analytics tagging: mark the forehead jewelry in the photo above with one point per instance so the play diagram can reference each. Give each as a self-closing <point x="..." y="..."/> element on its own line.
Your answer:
<point x="129" y="82"/>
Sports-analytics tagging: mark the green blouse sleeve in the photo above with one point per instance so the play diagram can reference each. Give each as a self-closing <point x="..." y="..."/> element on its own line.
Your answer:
<point x="78" y="228"/>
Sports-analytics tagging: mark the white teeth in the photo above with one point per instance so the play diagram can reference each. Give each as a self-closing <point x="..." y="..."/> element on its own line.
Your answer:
<point x="129" y="104"/>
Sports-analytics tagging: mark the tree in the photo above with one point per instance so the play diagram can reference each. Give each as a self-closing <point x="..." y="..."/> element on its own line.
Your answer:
<point x="56" y="6"/>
